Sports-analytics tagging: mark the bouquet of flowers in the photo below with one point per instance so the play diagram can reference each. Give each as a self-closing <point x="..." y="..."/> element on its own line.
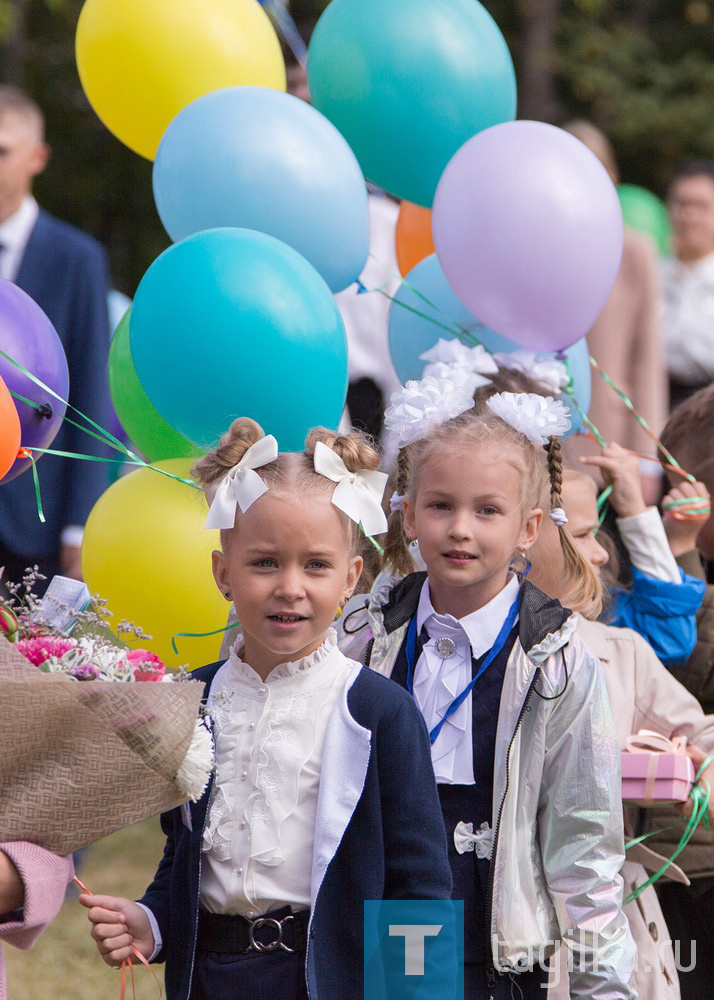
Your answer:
<point x="91" y="745"/>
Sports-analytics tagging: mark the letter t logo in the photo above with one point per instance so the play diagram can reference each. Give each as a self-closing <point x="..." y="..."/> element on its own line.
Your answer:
<point x="414" y="935"/>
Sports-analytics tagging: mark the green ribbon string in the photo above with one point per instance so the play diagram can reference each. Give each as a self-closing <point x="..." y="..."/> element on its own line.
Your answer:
<point x="602" y="506"/>
<point x="38" y="497"/>
<point x="640" y="419"/>
<point x="375" y="543"/>
<point x="700" y="796"/>
<point x="118" y="461"/>
<point x="108" y="438"/>
<point x="199" y="635"/>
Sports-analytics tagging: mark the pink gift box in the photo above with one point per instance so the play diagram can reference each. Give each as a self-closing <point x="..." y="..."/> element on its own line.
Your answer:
<point x="656" y="778"/>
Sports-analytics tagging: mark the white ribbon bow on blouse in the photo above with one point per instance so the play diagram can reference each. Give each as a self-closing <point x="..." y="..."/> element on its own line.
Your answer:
<point x="357" y="494"/>
<point x="241" y="486"/>
<point x="480" y="842"/>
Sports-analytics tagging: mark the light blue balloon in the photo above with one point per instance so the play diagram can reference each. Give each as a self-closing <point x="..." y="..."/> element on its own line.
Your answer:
<point x="231" y="323"/>
<point x="407" y="82"/>
<point x="425" y="310"/>
<point x="426" y="291"/>
<point x="260" y="159"/>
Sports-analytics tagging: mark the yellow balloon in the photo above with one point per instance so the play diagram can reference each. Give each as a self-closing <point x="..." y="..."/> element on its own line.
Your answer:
<point x="142" y="61"/>
<point x="147" y="553"/>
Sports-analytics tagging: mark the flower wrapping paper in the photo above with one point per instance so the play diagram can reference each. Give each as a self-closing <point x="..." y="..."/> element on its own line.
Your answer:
<point x="83" y="759"/>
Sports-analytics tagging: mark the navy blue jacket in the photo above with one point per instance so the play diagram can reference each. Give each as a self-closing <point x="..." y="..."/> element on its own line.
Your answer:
<point x="64" y="270"/>
<point x="383" y="838"/>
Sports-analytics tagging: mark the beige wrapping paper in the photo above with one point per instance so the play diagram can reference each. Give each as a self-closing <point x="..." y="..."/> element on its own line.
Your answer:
<point x="81" y="759"/>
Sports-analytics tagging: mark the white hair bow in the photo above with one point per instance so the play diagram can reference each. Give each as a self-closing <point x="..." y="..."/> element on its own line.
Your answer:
<point x="538" y="417"/>
<point x="241" y="486"/>
<point x="357" y="494"/>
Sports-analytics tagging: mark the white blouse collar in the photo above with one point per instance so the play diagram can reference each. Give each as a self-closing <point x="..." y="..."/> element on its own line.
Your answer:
<point x="481" y="626"/>
<point x="283" y="671"/>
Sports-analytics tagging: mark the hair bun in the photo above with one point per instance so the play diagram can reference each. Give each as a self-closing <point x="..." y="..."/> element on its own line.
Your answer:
<point x="233" y="445"/>
<point x="355" y="449"/>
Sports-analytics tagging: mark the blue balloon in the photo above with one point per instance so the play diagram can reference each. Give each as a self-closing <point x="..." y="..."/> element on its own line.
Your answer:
<point x="260" y="159"/>
<point x="233" y="323"/>
<point x="426" y="290"/>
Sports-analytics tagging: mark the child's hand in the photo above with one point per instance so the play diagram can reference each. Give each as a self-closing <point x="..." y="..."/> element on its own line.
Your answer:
<point x="699" y="756"/>
<point x="622" y="470"/>
<point x="118" y="925"/>
<point x="683" y="529"/>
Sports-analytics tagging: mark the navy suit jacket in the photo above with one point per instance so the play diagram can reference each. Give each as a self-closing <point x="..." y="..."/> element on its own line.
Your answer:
<point x="64" y="270"/>
<point x="393" y="847"/>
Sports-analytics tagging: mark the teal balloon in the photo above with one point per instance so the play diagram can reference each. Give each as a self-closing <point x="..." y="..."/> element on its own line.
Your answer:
<point x="426" y="310"/>
<point x="646" y="213"/>
<point x="407" y="82"/>
<point x="231" y="323"/>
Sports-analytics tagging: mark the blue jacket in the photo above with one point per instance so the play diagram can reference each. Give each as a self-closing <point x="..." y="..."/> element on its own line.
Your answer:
<point x="663" y="613"/>
<point x="379" y="834"/>
<point x="64" y="270"/>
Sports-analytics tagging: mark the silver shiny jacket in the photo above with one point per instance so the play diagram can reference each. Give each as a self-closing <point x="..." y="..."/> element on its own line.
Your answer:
<point x="557" y="815"/>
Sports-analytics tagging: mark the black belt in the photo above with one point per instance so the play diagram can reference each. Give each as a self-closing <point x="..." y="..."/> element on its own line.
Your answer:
<point x="235" y="935"/>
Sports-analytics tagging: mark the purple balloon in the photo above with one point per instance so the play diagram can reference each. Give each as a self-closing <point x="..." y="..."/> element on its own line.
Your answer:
<point x="28" y="337"/>
<point x="528" y="230"/>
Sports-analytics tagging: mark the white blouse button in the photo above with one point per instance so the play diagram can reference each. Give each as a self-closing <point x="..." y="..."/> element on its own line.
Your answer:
<point x="244" y="775"/>
<point x="251" y="727"/>
<point x="239" y="872"/>
<point x="241" y="825"/>
<point x="262" y="690"/>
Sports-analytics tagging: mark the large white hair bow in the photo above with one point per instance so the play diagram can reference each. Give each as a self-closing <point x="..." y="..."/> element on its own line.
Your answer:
<point x="241" y="486"/>
<point x="416" y="409"/>
<point x="357" y="494"/>
<point x="538" y="417"/>
<point x="543" y="368"/>
<point x="462" y="365"/>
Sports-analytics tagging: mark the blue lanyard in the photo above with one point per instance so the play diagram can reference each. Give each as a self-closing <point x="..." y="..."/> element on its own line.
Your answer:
<point x="501" y="640"/>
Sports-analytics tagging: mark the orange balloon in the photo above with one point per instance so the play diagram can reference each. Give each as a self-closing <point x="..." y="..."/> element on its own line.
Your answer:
<point x="413" y="237"/>
<point x="9" y="430"/>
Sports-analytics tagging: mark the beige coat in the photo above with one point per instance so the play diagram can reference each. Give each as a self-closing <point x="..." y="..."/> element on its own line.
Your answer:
<point x="644" y="695"/>
<point x="626" y="343"/>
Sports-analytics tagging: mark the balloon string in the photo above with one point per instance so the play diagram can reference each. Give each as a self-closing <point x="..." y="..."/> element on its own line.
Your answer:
<point x="117" y="461"/>
<point x="641" y="421"/>
<point x="24" y="453"/>
<point x="109" y="438"/>
<point x="288" y="29"/>
<point x="127" y="963"/>
<point x="200" y="635"/>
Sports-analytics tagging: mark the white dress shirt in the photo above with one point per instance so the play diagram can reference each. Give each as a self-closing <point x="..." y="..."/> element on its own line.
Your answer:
<point x="438" y="680"/>
<point x="688" y="319"/>
<point x="14" y="235"/>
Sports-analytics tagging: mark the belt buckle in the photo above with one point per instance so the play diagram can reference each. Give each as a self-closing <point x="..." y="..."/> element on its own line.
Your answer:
<point x="271" y="945"/>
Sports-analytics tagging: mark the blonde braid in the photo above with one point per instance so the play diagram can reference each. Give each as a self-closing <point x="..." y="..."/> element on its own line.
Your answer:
<point x="581" y="588"/>
<point x="397" y="556"/>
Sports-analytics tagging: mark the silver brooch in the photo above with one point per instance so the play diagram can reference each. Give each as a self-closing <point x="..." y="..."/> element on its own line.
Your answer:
<point x="445" y="647"/>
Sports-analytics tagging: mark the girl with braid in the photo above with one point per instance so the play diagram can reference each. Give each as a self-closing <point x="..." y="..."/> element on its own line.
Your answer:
<point x="523" y="745"/>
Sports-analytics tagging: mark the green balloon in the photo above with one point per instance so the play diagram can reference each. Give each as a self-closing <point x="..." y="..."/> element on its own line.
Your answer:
<point x="646" y="213"/>
<point x="407" y="82"/>
<point x="152" y="435"/>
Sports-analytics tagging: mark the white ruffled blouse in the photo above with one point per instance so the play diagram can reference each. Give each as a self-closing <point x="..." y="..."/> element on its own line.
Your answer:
<point x="258" y="839"/>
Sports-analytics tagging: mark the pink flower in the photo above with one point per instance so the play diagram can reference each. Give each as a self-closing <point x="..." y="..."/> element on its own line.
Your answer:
<point x="42" y="647"/>
<point x="146" y="665"/>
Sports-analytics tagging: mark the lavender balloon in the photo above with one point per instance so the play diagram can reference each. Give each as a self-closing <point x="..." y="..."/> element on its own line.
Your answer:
<point x="528" y="230"/>
<point x="28" y="337"/>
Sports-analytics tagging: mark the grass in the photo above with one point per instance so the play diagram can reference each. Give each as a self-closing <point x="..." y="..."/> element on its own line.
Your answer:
<point x="65" y="963"/>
